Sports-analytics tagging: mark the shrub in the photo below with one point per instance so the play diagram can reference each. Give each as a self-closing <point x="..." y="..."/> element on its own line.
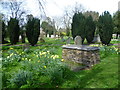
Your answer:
<point x="78" y="26"/>
<point x="89" y="29"/>
<point x="33" y="30"/>
<point x="13" y="30"/>
<point x="105" y="25"/>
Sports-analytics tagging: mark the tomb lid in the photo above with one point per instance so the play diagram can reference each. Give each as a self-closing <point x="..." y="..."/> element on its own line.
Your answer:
<point x="80" y="47"/>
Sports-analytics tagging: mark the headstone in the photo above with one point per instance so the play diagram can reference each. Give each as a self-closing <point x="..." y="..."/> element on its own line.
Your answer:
<point x="68" y="40"/>
<point x="78" y="40"/>
<point x="96" y="38"/>
<point x="52" y="36"/>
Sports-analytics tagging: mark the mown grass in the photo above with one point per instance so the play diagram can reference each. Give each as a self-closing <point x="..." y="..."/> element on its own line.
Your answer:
<point x="50" y="74"/>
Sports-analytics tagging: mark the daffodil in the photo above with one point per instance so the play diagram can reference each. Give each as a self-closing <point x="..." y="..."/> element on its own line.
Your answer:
<point x="62" y="60"/>
<point x="29" y="59"/>
<point x="38" y="60"/>
<point x="11" y="54"/>
<point x="45" y="67"/>
<point x="11" y="48"/>
<point x="8" y="56"/>
<point x="36" y="55"/>
<point x="22" y="58"/>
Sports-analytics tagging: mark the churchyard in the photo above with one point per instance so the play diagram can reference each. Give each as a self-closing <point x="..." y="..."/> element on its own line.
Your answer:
<point x="42" y="66"/>
<point x="77" y="49"/>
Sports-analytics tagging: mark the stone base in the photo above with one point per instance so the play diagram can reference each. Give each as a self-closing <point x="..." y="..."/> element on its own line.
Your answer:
<point x="81" y="54"/>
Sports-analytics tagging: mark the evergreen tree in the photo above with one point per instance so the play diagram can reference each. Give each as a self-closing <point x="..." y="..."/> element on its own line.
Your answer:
<point x="13" y="30"/>
<point x="78" y="26"/>
<point x="90" y="29"/>
<point x="33" y="30"/>
<point x="105" y="27"/>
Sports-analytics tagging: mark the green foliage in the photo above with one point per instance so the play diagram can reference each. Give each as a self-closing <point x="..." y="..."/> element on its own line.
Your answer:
<point x="21" y="78"/>
<point x="47" y="28"/>
<point x="90" y="29"/>
<point x="105" y="27"/>
<point x="106" y="51"/>
<point x="33" y="30"/>
<point x="78" y="26"/>
<point x="13" y="30"/>
<point x="116" y="21"/>
<point x="42" y="67"/>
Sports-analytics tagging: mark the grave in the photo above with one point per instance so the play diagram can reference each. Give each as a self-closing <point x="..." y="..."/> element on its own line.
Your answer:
<point x="81" y="54"/>
<point x="78" y="40"/>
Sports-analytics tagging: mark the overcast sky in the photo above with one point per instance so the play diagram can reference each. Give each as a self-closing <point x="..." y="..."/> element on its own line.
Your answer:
<point x="56" y="7"/>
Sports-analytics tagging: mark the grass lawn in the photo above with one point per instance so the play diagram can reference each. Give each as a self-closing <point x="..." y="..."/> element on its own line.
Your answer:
<point x="42" y="66"/>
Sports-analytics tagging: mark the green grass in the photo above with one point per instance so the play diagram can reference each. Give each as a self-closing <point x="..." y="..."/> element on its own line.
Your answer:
<point x="49" y="72"/>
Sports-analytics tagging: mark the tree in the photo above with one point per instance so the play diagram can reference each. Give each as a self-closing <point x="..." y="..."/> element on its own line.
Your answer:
<point x="116" y="21"/>
<point x="13" y="30"/>
<point x="33" y="30"/>
<point x="67" y="22"/>
<point x="14" y="8"/>
<point x="78" y="26"/>
<point x="90" y="29"/>
<point x="48" y="27"/>
<point x="105" y="27"/>
<point x="95" y="15"/>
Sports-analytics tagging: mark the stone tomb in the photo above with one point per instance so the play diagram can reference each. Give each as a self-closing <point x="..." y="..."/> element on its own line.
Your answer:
<point x="85" y="55"/>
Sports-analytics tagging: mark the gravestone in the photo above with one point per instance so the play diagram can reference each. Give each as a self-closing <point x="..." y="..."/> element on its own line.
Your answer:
<point x="78" y="40"/>
<point x="96" y="38"/>
<point x="68" y="40"/>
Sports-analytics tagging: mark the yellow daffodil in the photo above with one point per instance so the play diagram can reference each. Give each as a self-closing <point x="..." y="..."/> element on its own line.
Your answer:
<point x="62" y="60"/>
<point x="8" y="56"/>
<point x="11" y="54"/>
<point x="29" y="59"/>
<point x="22" y="58"/>
<point x="11" y="48"/>
<point x="38" y="60"/>
<point x="37" y="55"/>
<point x="45" y="67"/>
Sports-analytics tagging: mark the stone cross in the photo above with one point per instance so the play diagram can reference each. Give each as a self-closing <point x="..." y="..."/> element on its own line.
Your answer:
<point x="78" y="40"/>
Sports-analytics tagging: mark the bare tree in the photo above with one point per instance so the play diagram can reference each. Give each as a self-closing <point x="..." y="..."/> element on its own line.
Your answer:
<point x="13" y="8"/>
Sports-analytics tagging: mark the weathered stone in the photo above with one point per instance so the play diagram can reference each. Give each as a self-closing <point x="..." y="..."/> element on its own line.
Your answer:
<point x="78" y="40"/>
<point x="81" y="54"/>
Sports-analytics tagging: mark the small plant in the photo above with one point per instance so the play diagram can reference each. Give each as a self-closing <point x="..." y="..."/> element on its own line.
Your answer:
<point x="21" y="78"/>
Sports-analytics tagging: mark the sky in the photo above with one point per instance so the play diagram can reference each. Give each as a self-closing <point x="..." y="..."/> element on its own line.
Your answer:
<point x="57" y="7"/>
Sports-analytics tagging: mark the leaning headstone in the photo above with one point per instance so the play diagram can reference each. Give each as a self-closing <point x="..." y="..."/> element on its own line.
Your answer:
<point x="68" y="40"/>
<point x="78" y="40"/>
